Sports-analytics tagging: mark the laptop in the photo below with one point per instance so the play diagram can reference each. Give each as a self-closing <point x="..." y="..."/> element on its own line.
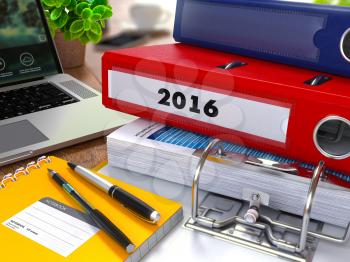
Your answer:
<point x="41" y="108"/>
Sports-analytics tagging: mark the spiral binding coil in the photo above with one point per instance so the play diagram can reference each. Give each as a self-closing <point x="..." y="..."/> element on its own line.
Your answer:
<point x="13" y="177"/>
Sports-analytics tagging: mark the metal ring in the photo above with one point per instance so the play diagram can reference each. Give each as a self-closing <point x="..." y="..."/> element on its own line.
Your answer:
<point x="24" y="171"/>
<point x="308" y="205"/>
<point x="7" y="178"/>
<point x="9" y="175"/>
<point x="341" y="45"/>
<point x="19" y="171"/>
<point x="195" y="184"/>
<point x="319" y="148"/>
<point x="221" y="150"/>
<point x="45" y="159"/>
<point x="30" y="165"/>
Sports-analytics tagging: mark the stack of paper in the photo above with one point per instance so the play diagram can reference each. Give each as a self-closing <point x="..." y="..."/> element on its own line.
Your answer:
<point x="168" y="153"/>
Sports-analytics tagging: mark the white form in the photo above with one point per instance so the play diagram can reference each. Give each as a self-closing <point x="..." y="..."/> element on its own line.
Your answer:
<point x="53" y="225"/>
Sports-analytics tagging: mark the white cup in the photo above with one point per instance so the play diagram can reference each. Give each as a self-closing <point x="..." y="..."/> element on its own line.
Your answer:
<point x="148" y="16"/>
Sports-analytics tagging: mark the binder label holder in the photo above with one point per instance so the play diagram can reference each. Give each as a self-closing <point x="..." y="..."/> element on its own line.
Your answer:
<point x="254" y="229"/>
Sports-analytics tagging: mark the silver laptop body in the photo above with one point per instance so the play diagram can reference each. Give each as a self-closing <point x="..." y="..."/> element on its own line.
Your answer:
<point x="25" y="65"/>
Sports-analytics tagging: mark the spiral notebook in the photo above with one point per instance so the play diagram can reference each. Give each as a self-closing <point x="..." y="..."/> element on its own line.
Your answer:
<point x="39" y="221"/>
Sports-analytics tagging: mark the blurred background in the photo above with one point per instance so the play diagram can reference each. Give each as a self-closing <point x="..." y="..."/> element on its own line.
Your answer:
<point x="134" y="23"/>
<point x="142" y="22"/>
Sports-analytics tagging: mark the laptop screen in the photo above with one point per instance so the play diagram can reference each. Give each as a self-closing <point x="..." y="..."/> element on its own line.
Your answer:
<point x="26" y="51"/>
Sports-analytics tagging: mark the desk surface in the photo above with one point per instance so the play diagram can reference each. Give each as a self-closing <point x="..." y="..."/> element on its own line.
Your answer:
<point x="89" y="153"/>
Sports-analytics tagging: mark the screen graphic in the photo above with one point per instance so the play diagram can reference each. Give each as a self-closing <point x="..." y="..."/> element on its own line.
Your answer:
<point x="25" y="52"/>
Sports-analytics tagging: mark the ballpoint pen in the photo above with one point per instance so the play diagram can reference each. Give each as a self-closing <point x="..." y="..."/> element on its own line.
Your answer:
<point x="101" y="220"/>
<point x="128" y="200"/>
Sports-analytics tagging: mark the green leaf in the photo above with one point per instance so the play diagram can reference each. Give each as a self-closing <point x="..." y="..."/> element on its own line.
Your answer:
<point x="87" y="25"/>
<point x="80" y="7"/>
<point x="344" y="2"/>
<point x="95" y="3"/>
<point x="72" y="5"/>
<point x="84" y="38"/>
<point x="62" y="20"/>
<point x="96" y="28"/>
<point x="73" y="15"/>
<point x="47" y="14"/>
<point x="100" y="9"/>
<point x="79" y="19"/>
<point x="68" y="24"/>
<point x="46" y="7"/>
<point x="107" y="14"/>
<point x="87" y="12"/>
<point x="56" y="13"/>
<point x="103" y="24"/>
<point x="66" y="2"/>
<point x="104" y="11"/>
<point x="59" y="3"/>
<point x="77" y="35"/>
<point x="95" y="38"/>
<point x="49" y="2"/>
<point x="323" y="2"/>
<point x="77" y="26"/>
<point x="95" y="17"/>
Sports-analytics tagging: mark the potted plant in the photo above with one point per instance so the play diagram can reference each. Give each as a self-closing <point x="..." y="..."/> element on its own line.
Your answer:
<point x="74" y="23"/>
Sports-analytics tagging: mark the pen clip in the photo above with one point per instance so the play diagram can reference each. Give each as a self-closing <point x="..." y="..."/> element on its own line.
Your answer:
<point x="139" y="216"/>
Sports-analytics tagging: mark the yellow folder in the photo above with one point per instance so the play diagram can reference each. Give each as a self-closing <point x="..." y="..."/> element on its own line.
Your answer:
<point x="29" y="189"/>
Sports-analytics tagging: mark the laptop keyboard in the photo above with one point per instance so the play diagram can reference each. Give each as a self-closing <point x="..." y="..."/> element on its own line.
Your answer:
<point x="32" y="99"/>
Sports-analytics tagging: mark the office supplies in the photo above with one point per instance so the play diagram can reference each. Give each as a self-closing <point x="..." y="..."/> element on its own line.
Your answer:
<point x="100" y="219"/>
<point x="34" y="90"/>
<point x="302" y="34"/>
<point x="259" y="104"/>
<point x="192" y="245"/>
<point x="172" y="154"/>
<point x="129" y="201"/>
<point x="62" y="232"/>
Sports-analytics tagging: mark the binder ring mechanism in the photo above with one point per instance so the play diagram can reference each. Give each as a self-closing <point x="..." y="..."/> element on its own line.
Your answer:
<point x="24" y="171"/>
<point x="255" y="230"/>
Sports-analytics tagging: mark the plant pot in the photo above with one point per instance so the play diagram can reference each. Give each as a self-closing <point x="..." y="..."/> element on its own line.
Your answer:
<point x="71" y="53"/>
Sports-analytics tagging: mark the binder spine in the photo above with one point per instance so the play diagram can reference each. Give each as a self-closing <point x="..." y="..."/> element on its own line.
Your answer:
<point x="265" y="31"/>
<point x="25" y="171"/>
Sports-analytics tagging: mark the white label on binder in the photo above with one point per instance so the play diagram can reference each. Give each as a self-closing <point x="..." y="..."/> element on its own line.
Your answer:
<point x="241" y="114"/>
<point x="53" y="225"/>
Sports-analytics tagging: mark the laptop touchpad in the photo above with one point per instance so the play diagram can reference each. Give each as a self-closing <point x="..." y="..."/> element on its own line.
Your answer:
<point x="18" y="135"/>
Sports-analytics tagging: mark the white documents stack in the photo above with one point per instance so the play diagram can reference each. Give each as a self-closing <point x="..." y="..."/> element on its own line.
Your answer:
<point x="168" y="153"/>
